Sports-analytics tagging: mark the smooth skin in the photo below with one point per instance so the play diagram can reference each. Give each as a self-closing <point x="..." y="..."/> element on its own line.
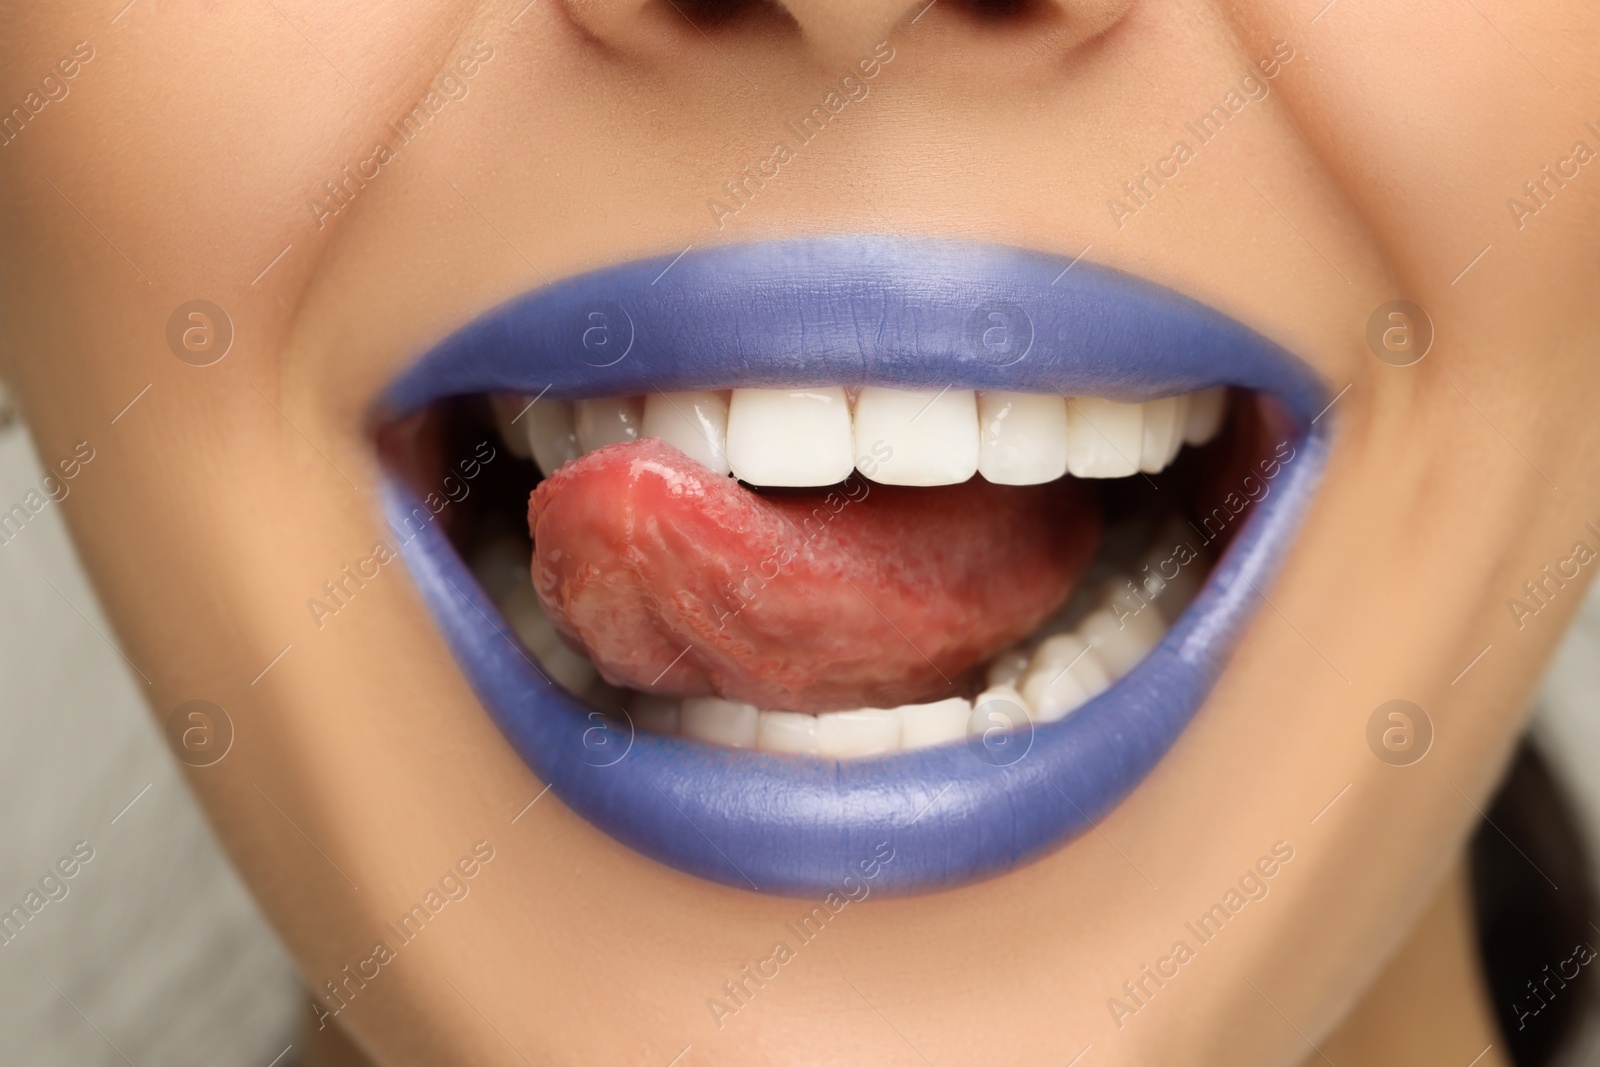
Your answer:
<point x="180" y="166"/>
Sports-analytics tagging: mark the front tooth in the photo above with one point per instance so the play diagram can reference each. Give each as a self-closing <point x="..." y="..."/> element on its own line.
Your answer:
<point x="1104" y="437"/>
<point x="1206" y="409"/>
<point x="1022" y="437"/>
<point x="852" y="734"/>
<point x="654" y="713"/>
<point x="551" y="436"/>
<point x="787" y="731"/>
<point x="510" y="411"/>
<point x="790" y="437"/>
<point x="1176" y="444"/>
<point x="721" y="722"/>
<point x="1163" y="433"/>
<point x="925" y="725"/>
<point x="570" y="670"/>
<point x="1119" y="644"/>
<point x="607" y="420"/>
<point x="694" y="423"/>
<point x="932" y="435"/>
<point x="1063" y="675"/>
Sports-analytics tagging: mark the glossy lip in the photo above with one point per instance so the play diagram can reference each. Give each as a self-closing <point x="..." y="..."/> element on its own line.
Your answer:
<point x="859" y="310"/>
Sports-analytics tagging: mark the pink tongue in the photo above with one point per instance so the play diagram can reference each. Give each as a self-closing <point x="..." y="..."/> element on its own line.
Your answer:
<point x="680" y="581"/>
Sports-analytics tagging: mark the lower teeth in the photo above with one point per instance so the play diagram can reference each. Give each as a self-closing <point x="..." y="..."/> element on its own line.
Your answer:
<point x="1086" y="648"/>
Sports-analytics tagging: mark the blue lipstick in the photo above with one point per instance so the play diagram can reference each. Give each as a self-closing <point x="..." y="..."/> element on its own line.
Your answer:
<point x="857" y="311"/>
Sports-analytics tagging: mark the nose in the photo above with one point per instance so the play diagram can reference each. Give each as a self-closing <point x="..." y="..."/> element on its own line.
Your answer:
<point x="831" y="32"/>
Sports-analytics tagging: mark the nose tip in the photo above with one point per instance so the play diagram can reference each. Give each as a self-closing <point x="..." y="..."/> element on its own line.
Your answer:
<point x="837" y="29"/>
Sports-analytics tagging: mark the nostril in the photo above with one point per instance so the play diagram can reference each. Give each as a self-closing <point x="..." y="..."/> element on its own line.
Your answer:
<point x="995" y="11"/>
<point x="719" y="14"/>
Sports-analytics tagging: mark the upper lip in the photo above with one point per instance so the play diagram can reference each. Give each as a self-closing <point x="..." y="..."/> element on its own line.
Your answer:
<point x="854" y="311"/>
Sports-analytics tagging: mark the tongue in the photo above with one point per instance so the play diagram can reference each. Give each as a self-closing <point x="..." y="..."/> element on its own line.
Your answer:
<point x="677" y="580"/>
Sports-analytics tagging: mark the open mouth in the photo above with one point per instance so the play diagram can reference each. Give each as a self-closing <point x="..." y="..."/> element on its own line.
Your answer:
<point x="779" y="559"/>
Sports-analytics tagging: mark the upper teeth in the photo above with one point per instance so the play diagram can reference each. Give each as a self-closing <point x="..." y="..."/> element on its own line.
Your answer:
<point x="694" y="423"/>
<point x="812" y="437"/>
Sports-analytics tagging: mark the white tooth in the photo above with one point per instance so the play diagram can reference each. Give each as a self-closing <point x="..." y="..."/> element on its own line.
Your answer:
<point x="721" y="722"/>
<point x="1176" y="444"/>
<point x="852" y="734"/>
<point x="790" y="437"/>
<point x="1206" y="409"/>
<point x="925" y="725"/>
<point x="521" y="609"/>
<point x="787" y="731"/>
<point x="501" y="566"/>
<point x="1104" y="437"/>
<point x="551" y="436"/>
<point x="1008" y="667"/>
<point x="1063" y="675"/>
<point x="654" y="713"/>
<point x="606" y="420"/>
<point x="507" y="407"/>
<point x="1119" y="644"/>
<point x="570" y="670"/>
<point x="1002" y="704"/>
<point x="696" y="424"/>
<point x="1163" y="433"/>
<point x="1000" y="707"/>
<point x="1052" y="696"/>
<point x="932" y="434"/>
<point x="1022" y="437"/>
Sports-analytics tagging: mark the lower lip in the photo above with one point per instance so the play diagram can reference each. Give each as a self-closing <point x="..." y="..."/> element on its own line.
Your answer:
<point x="946" y="815"/>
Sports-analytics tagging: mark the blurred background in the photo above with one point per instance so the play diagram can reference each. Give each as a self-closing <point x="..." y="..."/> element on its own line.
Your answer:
<point x="157" y="955"/>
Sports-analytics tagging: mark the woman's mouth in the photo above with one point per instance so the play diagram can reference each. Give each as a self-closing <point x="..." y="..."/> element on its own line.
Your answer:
<point x="789" y="557"/>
